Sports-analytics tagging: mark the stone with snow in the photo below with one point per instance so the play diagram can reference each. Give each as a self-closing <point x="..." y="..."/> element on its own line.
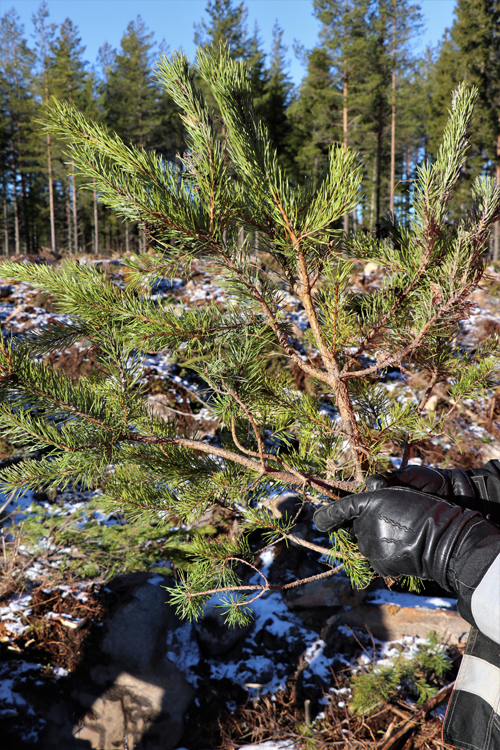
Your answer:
<point x="335" y="591"/>
<point x="136" y="696"/>
<point x="214" y="636"/>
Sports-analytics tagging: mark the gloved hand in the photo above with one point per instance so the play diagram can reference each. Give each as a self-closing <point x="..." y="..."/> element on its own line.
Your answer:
<point x="475" y="489"/>
<point x="450" y="484"/>
<point x="406" y="532"/>
<point x="401" y="531"/>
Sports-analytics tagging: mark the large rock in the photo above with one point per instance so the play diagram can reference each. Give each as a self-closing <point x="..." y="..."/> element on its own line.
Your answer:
<point x="136" y="697"/>
<point x="214" y="636"/>
<point x="285" y="504"/>
<point x="335" y="591"/>
<point x="389" y="622"/>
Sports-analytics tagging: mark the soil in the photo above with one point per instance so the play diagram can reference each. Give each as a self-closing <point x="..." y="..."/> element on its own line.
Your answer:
<point x="75" y="362"/>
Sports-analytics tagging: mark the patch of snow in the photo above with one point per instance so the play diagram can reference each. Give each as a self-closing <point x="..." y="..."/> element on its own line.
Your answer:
<point x="18" y="603"/>
<point x="11" y="675"/>
<point x="16" y="627"/>
<point x="156" y="580"/>
<point x="183" y="651"/>
<point x="60" y="672"/>
<point x="405" y="599"/>
<point x="318" y="663"/>
<point x="396" y="462"/>
<point x="267" y="559"/>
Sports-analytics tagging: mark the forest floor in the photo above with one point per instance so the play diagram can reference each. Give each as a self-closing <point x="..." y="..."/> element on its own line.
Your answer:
<point x="61" y="551"/>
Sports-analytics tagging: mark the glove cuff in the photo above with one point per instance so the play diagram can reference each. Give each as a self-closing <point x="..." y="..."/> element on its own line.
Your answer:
<point x="476" y="548"/>
<point x="454" y="522"/>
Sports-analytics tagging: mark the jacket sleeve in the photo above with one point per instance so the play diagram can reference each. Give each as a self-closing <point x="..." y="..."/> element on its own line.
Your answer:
<point x="486" y="481"/>
<point x="474" y="573"/>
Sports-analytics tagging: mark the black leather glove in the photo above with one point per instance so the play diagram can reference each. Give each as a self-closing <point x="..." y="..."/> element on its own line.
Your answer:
<point x="401" y="531"/>
<point x="406" y="532"/>
<point x="475" y="489"/>
<point x="451" y="484"/>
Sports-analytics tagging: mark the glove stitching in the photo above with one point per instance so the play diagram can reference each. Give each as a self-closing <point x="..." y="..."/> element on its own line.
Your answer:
<point x="394" y="523"/>
<point x="390" y="541"/>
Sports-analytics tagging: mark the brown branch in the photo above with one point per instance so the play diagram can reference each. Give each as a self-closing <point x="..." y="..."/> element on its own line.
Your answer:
<point x="428" y="391"/>
<point x="394" y="360"/>
<point x="288" y="349"/>
<point x="342" y="396"/>
<point x="250" y="418"/>
<point x="265" y="587"/>
<point x="429" y="705"/>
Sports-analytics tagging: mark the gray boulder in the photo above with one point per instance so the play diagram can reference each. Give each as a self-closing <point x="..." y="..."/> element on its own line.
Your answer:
<point x="214" y="636"/>
<point x="135" y="697"/>
<point x="335" y="591"/>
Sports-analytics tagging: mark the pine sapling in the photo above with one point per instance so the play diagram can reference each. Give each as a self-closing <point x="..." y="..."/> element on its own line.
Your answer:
<point x="206" y="209"/>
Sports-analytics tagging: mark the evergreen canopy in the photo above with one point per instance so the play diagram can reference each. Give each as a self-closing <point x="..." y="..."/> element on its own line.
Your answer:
<point x="99" y="431"/>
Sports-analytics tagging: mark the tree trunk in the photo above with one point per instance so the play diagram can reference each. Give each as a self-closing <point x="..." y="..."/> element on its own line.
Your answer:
<point x="372" y="201"/>
<point x="96" y="223"/>
<point x="17" y="243"/>
<point x="378" y="164"/>
<point x="393" y="111"/>
<point x="68" y="216"/>
<point x="496" y="245"/>
<point x="51" y="199"/>
<point x="75" y="214"/>
<point x="5" y="225"/>
<point x="23" y="194"/>
<point x="345" y="111"/>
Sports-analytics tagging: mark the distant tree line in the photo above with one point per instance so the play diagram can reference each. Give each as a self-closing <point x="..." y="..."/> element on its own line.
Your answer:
<point x="364" y="87"/>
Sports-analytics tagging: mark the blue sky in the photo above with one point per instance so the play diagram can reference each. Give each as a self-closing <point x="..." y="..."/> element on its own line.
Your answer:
<point x="105" y="20"/>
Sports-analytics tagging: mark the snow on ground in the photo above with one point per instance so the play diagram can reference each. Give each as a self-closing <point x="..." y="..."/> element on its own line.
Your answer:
<point x="12" y="677"/>
<point x="260" y="673"/>
<point x="405" y="599"/>
<point x="257" y="669"/>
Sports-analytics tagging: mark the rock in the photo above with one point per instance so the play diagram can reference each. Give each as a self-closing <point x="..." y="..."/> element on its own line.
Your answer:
<point x="431" y="403"/>
<point x="490" y="451"/>
<point x="105" y="725"/>
<point x="326" y="592"/>
<point x="214" y="636"/>
<point x="370" y="268"/>
<point x="390" y="622"/>
<point x="285" y="504"/>
<point x="135" y="635"/>
<point x="5" y="291"/>
<point x="135" y="697"/>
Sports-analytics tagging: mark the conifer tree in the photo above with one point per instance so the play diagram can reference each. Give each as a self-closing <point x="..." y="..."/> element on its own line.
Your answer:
<point x="315" y="115"/>
<point x="44" y="33"/>
<point x="16" y="62"/>
<point x="100" y="432"/>
<point x="367" y="40"/>
<point x="226" y="25"/>
<point x="68" y="76"/>
<point x="276" y="99"/>
<point x="131" y="96"/>
<point x="131" y="100"/>
<point x="470" y="51"/>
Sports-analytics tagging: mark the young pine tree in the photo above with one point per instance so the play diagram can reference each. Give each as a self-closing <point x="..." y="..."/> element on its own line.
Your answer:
<point x="99" y="431"/>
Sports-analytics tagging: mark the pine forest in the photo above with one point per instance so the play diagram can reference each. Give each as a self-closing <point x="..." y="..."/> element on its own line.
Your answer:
<point x="364" y="87"/>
